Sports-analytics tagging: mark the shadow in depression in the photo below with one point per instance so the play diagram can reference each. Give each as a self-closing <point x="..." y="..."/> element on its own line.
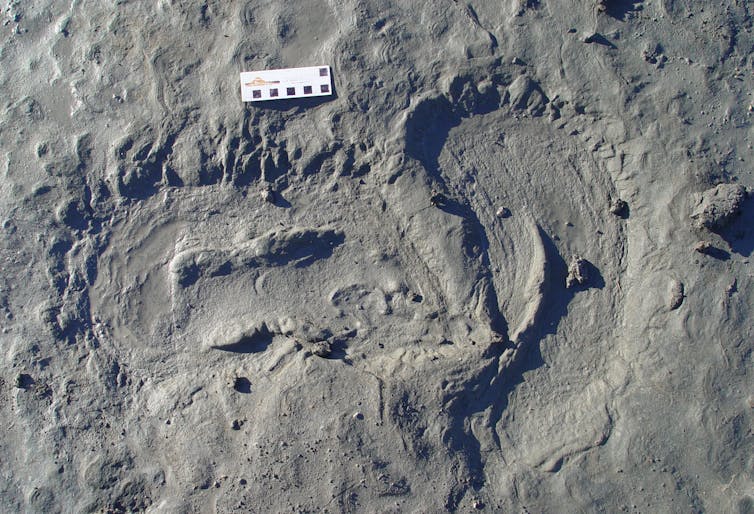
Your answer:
<point x="740" y="233"/>
<point x="427" y="131"/>
<point x="255" y="343"/>
<point x="486" y="394"/>
<point x="621" y="9"/>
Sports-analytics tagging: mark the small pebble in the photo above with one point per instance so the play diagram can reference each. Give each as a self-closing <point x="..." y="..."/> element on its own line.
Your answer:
<point x="703" y="247"/>
<point x="503" y="212"/>
<point x="268" y="195"/>
<point x="619" y="207"/>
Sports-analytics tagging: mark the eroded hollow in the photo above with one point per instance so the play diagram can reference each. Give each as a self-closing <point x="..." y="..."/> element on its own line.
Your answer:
<point x="409" y="296"/>
<point x="554" y="200"/>
<point x="546" y="184"/>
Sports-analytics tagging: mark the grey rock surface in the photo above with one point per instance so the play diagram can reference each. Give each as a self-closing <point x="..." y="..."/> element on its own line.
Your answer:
<point x="676" y="294"/>
<point x="174" y="339"/>
<point x="718" y="206"/>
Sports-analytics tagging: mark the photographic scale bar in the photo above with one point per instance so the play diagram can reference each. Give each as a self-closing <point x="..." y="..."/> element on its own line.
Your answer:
<point x="258" y="86"/>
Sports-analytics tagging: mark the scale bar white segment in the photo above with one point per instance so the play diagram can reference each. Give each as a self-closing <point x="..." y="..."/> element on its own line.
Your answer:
<point x="258" y="86"/>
